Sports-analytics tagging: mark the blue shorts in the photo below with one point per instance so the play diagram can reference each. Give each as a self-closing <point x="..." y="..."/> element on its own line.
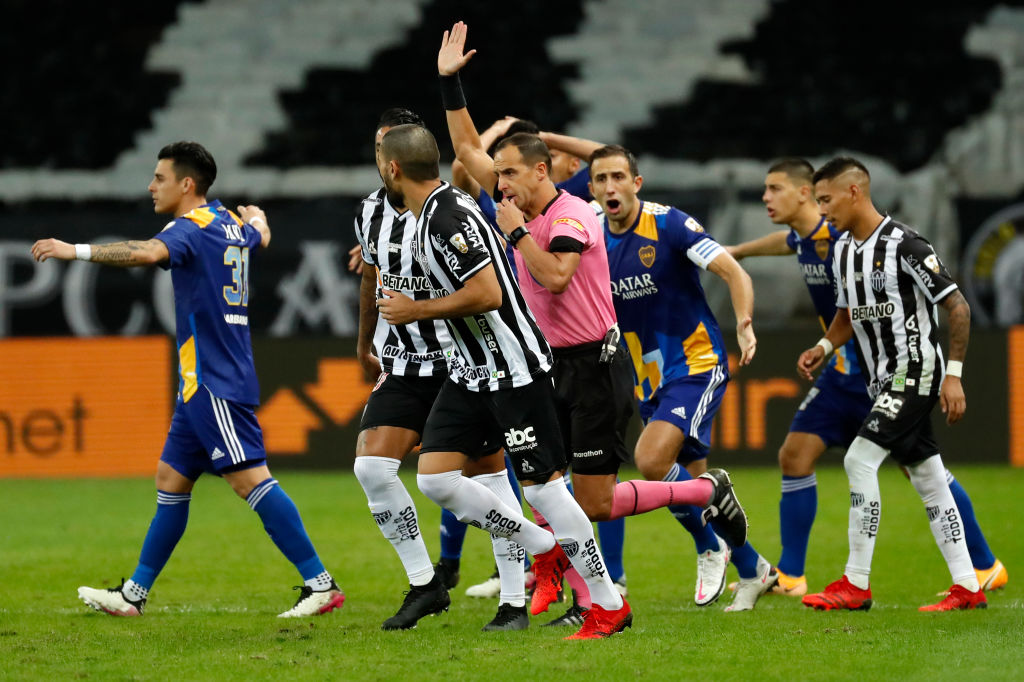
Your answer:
<point x="210" y="435"/>
<point x="832" y="411"/>
<point x="690" y="403"/>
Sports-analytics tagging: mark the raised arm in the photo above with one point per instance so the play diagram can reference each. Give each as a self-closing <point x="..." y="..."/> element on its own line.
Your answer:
<point x="127" y="254"/>
<point x="469" y="149"/>
<point x="951" y="395"/>
<point x="773" y="244"/>
<point x="741" y="290"/>
<point x="255" y="216"/>
<point x="576" y="146"/>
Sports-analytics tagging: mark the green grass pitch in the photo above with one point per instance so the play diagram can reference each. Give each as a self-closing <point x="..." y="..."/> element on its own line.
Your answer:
<point x="212" y="613"/>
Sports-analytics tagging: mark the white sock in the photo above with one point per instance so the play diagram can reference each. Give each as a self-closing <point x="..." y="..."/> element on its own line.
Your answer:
<point x="509" y="556"/>
<point x="132" y="591"/>
<point x="576" y="535"/>
<point x="862" y="461"/>
<point x="320" y="583"/>
<point x="478" y="506"/>
<point x="395" y="514"/>
<point x="930" y="480"/>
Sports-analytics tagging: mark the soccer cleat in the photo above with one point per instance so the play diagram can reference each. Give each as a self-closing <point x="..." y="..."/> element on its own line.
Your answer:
<point x="572" y="616"/>
<point x="111" y="600"/>
<point x="711" y="568"/>
<point x="488" y="589"/>
<point x="723" y="510"/>
<point x="549" y="568"/>
<point x="448" y="571"/>
<point x="994" y="578"/>
<point x="620" y="586"/>
<point x="599" y="623"/>
<point x="749" y="590"/>
<point x="841" y="594"/>
<point x="789" y="586"/>
<point x="959" y="599"/>
<point x="509" y="618"/>
<point x="315" y="603"/>
<point x="424" y="600"/>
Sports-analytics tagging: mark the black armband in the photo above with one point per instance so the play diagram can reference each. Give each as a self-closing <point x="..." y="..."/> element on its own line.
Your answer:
<point x="452" y="96"/>
<point x="515" y="235"/>
<point x="565" y="244"/>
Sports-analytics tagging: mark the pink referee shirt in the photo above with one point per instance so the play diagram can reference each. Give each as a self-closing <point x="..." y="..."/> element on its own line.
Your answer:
<point x="584" y="311"/>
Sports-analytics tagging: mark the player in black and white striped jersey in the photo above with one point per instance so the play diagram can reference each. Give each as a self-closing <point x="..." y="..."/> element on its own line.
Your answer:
<point x="409" y="367"/>
<point x="499" y="382"/>
<point x="889" y="282"/>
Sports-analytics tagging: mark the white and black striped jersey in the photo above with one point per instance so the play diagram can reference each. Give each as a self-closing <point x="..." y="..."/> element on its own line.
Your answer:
<point x="500" y="349"/>
<point x="386" y="237"/>
<point x="891" y="283"/>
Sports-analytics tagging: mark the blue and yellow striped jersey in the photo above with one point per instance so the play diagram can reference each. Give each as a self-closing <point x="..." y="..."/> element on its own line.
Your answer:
<point x="210" y="255"/>
<point x="660" y="304"/>
<point x="814" y="254"/>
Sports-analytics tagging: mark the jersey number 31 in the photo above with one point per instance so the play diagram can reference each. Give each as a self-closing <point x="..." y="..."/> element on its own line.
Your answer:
<point x="238" y="258"/>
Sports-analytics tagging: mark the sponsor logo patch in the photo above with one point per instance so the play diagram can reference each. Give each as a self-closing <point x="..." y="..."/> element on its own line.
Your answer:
<point x="571" y="222"/>
<point x="459" y="242"/>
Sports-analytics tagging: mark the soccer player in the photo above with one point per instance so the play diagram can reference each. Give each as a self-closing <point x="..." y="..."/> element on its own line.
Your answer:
<point x="209" y="251"/>
<point x="408" y="365"/>
<point x="837" y="404"/>
<point x="562" y="266"/>
<point x="890" y="284"/>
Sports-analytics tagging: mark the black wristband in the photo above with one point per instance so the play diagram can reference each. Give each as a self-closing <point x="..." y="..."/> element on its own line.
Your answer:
<point x="451" y="93"/>
<point x="515" y="235"/>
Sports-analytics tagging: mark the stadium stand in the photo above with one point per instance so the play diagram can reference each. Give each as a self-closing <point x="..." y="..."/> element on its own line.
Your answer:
<point x="84" y="102"/>
<point x="814" y="85"/>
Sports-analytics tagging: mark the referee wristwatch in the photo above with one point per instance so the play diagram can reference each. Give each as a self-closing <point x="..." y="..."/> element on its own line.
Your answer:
<point x="517" y="234"/>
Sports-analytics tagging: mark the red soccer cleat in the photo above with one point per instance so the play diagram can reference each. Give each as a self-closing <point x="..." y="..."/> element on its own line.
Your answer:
<point x="548" y="567"/>
<point x="841" y="594"/>
<point x="959" y="599"/>
<point x="599" y="623"/>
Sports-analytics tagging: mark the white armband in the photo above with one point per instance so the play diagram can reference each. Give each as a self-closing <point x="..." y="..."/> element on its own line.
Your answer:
<point x="826" y="346"/>
<point x="83" y="252"/>
<point x="955" y="368"/>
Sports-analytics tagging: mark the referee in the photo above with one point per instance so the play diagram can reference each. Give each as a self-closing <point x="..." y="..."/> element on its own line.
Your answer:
<point x="889" y="283"/>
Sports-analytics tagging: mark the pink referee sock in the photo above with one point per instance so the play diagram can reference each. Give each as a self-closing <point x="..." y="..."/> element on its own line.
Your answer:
<point x="572" y="576"/>
<point x="637" y="497"/>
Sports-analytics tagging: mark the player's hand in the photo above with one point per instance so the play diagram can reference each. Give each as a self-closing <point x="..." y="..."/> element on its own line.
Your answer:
<point x="747" y="341"/>
<point x="734" y="252"/>
<point x="809" y="361"/>
<point x="450" y="58"/>
<point x="952" y="399"/>
<point x="53" y="248"/>
<point x="508" y="216"/>
<point x="396" y="307"/>
<point x="250" y="213"/>
<point x="355" y="259"/>
<point x="501" y="126"/>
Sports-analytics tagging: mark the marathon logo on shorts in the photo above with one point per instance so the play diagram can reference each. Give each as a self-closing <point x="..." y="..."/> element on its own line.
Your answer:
<point x="872" y="312"/>
<point x="500" y="525"/>
<point x="517" y="440"/>
<point x="584" y="454"/>
<point x="888" y="405"/>
<point x="382" y="518"/>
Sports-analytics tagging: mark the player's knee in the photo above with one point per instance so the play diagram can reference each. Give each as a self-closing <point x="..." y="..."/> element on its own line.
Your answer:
<point x="441" y="488"/>
<point x="374" y="475"/>
<point x="863" y="458"/>
<point x="596" y="510"/>
<point x="794" y="462"/>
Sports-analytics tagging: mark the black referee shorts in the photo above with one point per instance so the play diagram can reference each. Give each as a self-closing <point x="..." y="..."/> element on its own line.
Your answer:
<point x="595" y="402"/>
<point x="901" y="423"/>
<point x="401" y="401"/>
<point x="478" y="423"/>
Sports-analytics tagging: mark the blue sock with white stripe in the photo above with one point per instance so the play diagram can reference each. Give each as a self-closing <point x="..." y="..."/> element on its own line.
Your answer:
<point x="797" y="508"/>
<point x="281" y="518"/>
<point x="165" y="530"/>
<point x="689" y="515"/>
<point x="981" y="556"/>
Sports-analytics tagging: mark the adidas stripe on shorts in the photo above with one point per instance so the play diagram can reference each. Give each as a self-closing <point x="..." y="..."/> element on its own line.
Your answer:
<point x="690" y="403"/>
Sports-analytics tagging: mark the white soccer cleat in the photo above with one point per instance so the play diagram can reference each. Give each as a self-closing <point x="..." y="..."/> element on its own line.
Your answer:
<point x="749" y="590"/>
<point x="711" y="568"/>
<point x="620" y="586"/>
<point x="111" y="601"/>
<point x="312" y="603"/>
<point x="488" y="589"/>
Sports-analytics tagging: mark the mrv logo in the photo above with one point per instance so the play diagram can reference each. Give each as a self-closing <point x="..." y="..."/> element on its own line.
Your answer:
<point x="875" y="311"/>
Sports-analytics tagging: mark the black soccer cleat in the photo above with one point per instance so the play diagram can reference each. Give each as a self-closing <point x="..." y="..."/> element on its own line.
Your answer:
<point x="425" y="600"/>
<point x="508" y="618"/>
<point x="573" y="615"/>
<point x="448" y="572"/>
<point x="723" y="511"/>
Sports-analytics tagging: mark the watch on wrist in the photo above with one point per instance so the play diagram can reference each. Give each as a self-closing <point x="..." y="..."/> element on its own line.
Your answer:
<point x="517" y="234"/>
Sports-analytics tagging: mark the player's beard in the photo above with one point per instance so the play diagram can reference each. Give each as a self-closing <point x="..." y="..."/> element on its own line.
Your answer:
<point x="395" y="196"/>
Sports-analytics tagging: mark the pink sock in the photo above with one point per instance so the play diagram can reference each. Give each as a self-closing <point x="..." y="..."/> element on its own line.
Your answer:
<point x="637" y="497"/>
<point x="574" y="579"/>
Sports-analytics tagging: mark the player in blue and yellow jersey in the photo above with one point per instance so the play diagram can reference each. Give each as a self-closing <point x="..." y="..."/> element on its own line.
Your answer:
<point x="209" y="251"/>
<point x="655" y="255"/>
<point x="838" y="403"/>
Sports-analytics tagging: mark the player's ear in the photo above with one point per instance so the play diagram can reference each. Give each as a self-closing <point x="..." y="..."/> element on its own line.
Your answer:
<point x="188" y="184"/>
<point x="638" y="182"/>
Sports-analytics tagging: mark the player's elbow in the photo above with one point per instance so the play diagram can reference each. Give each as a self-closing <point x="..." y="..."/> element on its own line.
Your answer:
<point x="492" y="300"/>
<point x="558" y="284"/>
